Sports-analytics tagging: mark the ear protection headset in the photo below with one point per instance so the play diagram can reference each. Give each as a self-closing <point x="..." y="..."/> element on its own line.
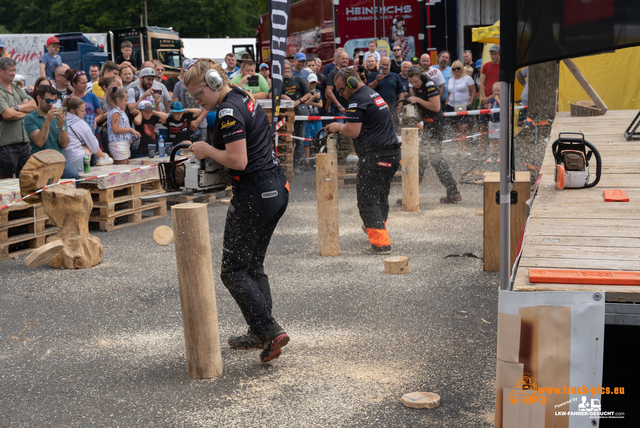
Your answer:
<point x="350" y="81"/>
<point x="213" y="80"/>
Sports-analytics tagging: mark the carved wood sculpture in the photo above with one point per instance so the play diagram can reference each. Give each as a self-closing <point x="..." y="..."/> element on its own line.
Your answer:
<point x="69" y="208"/>
<point x="42" y="169"/>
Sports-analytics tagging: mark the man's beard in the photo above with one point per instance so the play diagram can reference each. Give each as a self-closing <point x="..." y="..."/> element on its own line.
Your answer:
<point x="443" y="64"/>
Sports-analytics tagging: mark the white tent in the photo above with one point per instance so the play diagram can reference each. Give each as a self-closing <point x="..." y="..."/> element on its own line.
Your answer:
<point x="215" y="49"/>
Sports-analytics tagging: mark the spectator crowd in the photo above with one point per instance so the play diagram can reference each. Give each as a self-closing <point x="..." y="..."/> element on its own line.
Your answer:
<point x="116" y="110"/>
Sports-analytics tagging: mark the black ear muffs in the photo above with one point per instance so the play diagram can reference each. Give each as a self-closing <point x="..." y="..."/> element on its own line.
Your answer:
<point x="213" y="80"/>
<point x="352" y="82"/>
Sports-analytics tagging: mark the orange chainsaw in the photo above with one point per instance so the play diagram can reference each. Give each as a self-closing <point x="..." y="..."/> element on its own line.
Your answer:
<point x="572" y="155"/>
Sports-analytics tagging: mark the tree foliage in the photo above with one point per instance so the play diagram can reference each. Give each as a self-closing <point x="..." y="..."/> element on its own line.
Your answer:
<point x="191" y="18"/>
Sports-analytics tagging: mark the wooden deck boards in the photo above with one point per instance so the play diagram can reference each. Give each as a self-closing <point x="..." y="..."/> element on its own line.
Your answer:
<point x="576" y="228"/>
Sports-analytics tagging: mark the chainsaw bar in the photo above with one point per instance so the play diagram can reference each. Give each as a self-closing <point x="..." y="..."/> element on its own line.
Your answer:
<point x="164" y="195"/>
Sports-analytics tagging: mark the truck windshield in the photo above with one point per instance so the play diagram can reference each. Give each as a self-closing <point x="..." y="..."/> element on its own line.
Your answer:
<point x="169" y="58"/>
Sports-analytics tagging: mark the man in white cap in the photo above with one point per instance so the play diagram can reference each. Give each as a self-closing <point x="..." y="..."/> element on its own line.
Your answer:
<point x="314" y="103"/>
<point x="150" y="90"/>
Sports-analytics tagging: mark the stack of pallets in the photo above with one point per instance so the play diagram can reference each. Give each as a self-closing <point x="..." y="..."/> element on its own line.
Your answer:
<point x="23" y="228"/>
<point x="121" y="206"/>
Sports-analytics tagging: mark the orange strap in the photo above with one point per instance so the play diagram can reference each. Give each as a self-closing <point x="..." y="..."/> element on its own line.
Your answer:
<point x="286" y="186"/>
<point x="379" y="237"/>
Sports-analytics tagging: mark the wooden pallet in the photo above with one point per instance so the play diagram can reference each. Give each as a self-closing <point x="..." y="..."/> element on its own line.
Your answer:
<point x="23" y="243"/>
<point x="124" y="218"/>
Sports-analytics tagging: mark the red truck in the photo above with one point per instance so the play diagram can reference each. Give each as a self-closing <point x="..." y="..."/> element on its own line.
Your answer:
<point x="320" y="26"/>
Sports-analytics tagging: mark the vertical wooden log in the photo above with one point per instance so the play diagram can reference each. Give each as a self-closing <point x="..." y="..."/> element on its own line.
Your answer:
<point x="327" y="193"/>
<point x="410" y="177"/>
<point x="197" y="292"/>
<point x="332" y="143"/>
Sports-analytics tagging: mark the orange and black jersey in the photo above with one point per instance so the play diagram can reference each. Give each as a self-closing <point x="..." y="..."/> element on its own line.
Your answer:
<point x="238" y="117"/>
<point x="378" y="133"/>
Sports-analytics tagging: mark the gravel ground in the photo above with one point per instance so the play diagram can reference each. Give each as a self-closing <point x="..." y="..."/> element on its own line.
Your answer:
<point x="105" y="347"/>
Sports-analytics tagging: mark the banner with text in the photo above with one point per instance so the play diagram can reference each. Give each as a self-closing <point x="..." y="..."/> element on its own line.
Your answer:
<point x="279" y="29"/>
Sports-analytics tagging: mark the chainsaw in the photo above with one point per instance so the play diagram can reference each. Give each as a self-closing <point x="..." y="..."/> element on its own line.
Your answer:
<point x="406" y="115"/>
<point x="572" y="155"/>
<point x="191" y="176"/>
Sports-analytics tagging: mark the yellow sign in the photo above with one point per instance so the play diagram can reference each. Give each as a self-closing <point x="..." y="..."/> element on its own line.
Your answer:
<point x="490" y="34"/>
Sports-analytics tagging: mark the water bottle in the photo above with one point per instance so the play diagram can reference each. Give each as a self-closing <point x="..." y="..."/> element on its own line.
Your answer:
<point x="161" y="151"/>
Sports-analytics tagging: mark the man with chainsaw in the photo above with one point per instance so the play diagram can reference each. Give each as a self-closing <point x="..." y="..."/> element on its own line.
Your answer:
<point x="371" y="127"/>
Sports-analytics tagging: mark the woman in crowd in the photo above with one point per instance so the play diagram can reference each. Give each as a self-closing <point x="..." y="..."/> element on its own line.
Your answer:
<point x="93" y="111"/>
<point x="460" y="97"/>
<point x="81" y="138"/>
<point x="242" y="142"/>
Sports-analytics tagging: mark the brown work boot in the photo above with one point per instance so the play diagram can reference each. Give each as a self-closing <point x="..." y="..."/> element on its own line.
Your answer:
<point x="454" y="198"/>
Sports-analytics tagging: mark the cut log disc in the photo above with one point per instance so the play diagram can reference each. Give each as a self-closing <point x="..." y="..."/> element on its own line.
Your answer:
<point x="44" y="254"/>
<point x="421" y="400"/>
<point x="396" y="265"/>
<point x="163" y="235"/>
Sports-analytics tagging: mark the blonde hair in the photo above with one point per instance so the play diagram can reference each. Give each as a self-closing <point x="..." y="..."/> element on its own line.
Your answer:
<point x="468" y="68"/>
<point x="457" y="63"/>
<point x="496" y="86"/>
<point x="374" y="41"/>
<point x="195" y="75"/>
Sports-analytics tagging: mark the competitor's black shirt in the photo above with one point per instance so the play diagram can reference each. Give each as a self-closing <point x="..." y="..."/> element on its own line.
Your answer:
<point x="366" y="106"/>
<point x="432" y="119"/>
<point x="238" y="117"/>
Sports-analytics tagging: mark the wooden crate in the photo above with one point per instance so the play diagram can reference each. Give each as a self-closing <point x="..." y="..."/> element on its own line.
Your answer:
<point x="23" y="228"/>
<point x="121" y="206"/>
<point x="491" y="230"/>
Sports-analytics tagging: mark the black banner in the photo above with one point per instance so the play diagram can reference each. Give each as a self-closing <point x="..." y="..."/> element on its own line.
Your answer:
<point x="548" y="30"/>
<point x="279" y="30"/>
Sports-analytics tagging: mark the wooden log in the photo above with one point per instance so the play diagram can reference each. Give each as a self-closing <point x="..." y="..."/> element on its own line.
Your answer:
<point x="327" y="194"/>
<point x="573" y="68"/>
<point x="585" y="108"/>
<point x="197" y="292"/>
<point x="42" y="169"/>
<point x="410" y="174"/>
<point x="332" y="143"/>
<point x="69" y="208"/>
<point x="396" y="265"/>
<point x="163" y="235"/>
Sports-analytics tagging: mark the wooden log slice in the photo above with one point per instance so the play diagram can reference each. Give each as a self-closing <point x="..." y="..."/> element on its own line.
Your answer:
<point x="396" y="265"/>
<point x="163" y="235"/>
<point x="44" y="254"/>
<point x="421" y="400"/>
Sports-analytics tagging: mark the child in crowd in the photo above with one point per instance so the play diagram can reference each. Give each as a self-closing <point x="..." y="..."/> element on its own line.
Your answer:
<point x="81" y="138"/>
<point x="313" y="126"/>
<point x="145" y="121"/>
<point x="125" y="57"/>
<point x="494" y="124"/>
<point x="373" y="46"/>
<point x="118" y="126"/>
<point x="179" y="123"/>
<point x="50" y="59"/>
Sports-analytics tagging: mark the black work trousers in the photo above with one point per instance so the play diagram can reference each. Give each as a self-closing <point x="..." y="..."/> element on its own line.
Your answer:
<point x="259" y="200"/>
<point x="375" y="172"/>
<point x="431" y="152"/>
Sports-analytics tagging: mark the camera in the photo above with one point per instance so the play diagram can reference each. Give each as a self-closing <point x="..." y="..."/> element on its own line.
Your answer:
<point x="361" y="69"/>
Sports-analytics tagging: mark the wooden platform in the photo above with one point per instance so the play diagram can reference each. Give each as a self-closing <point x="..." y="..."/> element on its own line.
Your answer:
<point x="576" y="228"/>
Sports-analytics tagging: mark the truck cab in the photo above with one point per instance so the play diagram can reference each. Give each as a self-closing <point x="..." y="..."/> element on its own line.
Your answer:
<point x="77" y="51"/>
<point x="149" y="43"/>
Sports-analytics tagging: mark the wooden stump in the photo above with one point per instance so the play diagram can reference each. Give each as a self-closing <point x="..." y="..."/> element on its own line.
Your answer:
<point x="42" y="169"/>
<point x="69" y="208"/>
<point x="163" y="235"/>
<point x="396" y="265"/>
<point x="586" y="108"/>
<point x="197" y="292"/>
<point x="327" y="194"/>
<point x="410" y="170"/>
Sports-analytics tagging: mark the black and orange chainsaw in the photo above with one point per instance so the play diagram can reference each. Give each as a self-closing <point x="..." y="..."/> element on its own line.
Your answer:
<point x="572" y="155"/>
